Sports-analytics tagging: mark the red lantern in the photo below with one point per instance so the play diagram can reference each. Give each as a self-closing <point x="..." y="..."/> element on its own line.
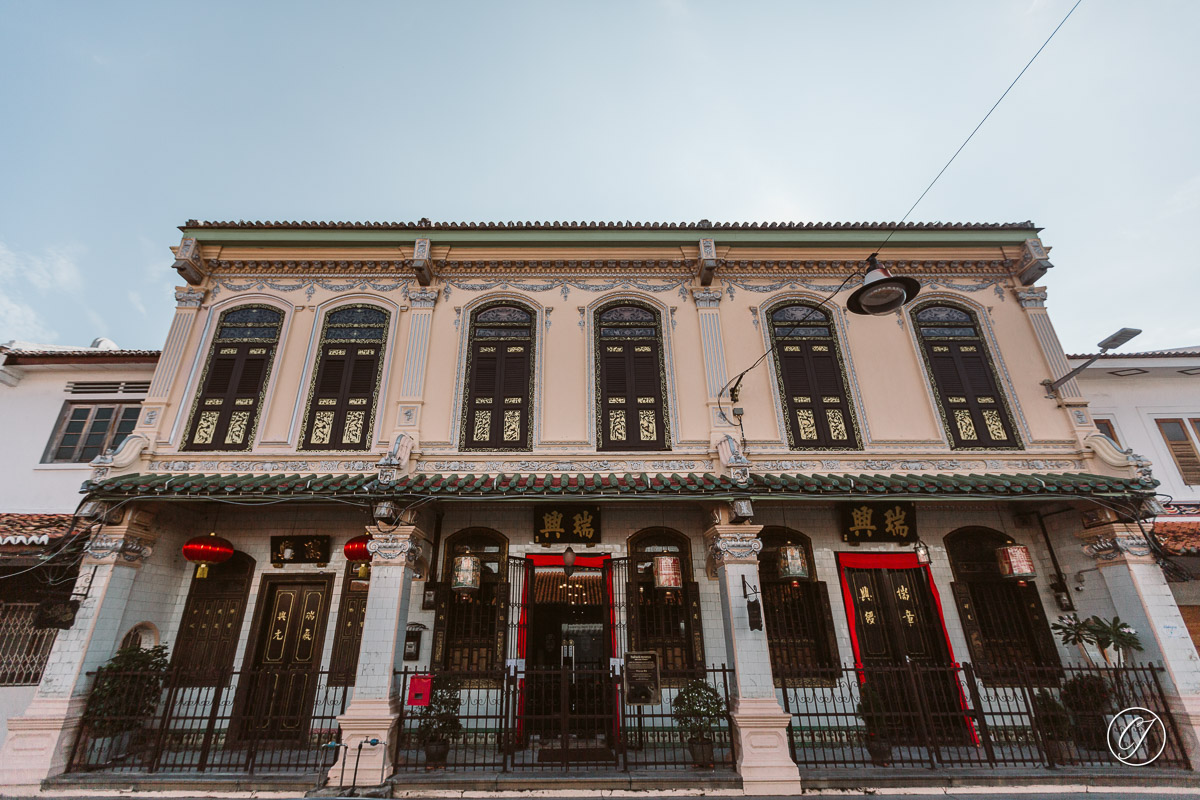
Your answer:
<point x="1016" y="562"/>
<point x="356" y="550"/>
<point x="205" y="550"/>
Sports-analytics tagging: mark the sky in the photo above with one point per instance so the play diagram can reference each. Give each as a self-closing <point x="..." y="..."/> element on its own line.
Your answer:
<point x="119" y="121"/>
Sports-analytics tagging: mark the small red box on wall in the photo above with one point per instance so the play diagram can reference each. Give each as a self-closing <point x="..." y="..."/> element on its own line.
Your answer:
<point x="419" y="689"/>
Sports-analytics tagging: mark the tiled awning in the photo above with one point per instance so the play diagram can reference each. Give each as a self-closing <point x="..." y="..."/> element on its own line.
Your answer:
<point x="598" y="486"/>
<point x="581" y="589"/>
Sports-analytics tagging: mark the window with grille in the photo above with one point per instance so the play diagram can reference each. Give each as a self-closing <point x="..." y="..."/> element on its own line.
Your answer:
<point x="470" y="627"/>
<point x="231" y="389"/>
<point x="1002" y="618"/>
<point x="86" y="430"/>
<point x="796" y="610"/>
<point x="1183" y="449"/>
<point x="345" y="387"/>
<point x="24" y="649"/>
<point x="666" y="621"/>
<point x="973" y="409"/>
<point x="631" y="381"/>
<point x="811" y="384"/>
<point x="212" y="620"/>
<point x="499" y="396"/>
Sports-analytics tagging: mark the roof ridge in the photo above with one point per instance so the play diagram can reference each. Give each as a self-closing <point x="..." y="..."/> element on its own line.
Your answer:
<point x="426" y="224"/>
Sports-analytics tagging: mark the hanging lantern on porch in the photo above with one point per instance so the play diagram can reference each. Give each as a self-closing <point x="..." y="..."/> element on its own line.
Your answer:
<point x="1016" y="562"/>
<point x="356" y="551"/>
<point x="467" y="571"/>
<point x="793" y="563"/>
<point x="205" y="550"/>
<point x="668" y="574"/>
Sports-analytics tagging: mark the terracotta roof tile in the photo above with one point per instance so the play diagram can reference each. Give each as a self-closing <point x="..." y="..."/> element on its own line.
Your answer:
<point x="82" y="353"/>
<point x="425" y="224"/>
<point x="1180" y="538"/>
<point x="19" y="531"/>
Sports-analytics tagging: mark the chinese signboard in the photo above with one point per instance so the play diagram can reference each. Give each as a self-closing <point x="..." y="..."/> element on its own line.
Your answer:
<point x="878" y="522"/>
<point x="642" y="685"/>
<point x="568" y="523"/>
<point x="300" y="550"/>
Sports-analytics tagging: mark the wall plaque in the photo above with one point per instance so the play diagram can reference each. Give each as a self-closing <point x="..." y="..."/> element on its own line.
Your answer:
<point x="56" y="614"/>
<point x="299" y="550"/>
<point x="878" y="522"/>
<point x="568" y="523"/>
<point x="642" y="684"/>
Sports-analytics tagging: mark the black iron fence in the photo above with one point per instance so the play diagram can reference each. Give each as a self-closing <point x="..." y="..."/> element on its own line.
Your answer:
<point x="935" y="716"/>
<point x="242" y="721"/>
<point x="552" y="718"/>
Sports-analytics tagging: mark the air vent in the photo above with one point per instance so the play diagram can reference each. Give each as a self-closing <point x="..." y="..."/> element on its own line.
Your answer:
<point x="108" y="387"/>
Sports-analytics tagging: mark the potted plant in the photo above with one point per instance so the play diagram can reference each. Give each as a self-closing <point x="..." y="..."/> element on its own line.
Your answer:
<point x="438" y="722"/>
<point x="874" y="716"/>
<point x="1054" y="725"/>
<point x="698" y="708"/>
<point x="1089" y="698"/>
<point x="123" y="699"/>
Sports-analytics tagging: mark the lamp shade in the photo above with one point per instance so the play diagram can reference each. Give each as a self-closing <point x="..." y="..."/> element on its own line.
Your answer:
<point x="205" y="550"/>
<point x="668" y="574"/>
<point x="881" y="292"/>
<point x="1016" y="561"/>
<point x="356" y="551"/>
<point x="793" y="562"/>
<point x="467" y="571"/>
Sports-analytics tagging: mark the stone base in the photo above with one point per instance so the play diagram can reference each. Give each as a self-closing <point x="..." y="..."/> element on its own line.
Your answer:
<point x="39" y="742"/>
<point x="764" y="761"/>
<point x="1186" y="711"/>
<point x="363" y="721"/>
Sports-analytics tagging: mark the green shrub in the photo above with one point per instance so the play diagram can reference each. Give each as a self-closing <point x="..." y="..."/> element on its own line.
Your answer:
<point x="127" y="690"/>
<point x="698" y="708"/>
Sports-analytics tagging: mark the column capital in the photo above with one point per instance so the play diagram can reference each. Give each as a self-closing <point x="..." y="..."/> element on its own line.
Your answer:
<point x="402" y="546"/>
<point x="189" y="297"/>
<point x="1116" y="543"/>
<point x="707" y="298"/>
<point x="732" y="544"/>
<point x="423" y="298"/>
<point x="129" y="543"/>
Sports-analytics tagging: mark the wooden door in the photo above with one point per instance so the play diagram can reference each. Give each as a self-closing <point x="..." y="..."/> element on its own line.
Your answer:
<point x="278" y="686"/>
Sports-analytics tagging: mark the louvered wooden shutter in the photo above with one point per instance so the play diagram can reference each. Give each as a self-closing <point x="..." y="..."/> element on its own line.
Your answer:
<point x="1180" y="444"/>
<point x="442" y="593"/>
<point x="973" y="406"/>
<point x="631" y="397"/>
<point x="343" y="402"/>
<point x="498" y="403"/>
<point x="1043" y="638"/>
<point x="815" y="395"/>
<point x="228" y="407"/>
<point x="632" y="598"/>
<point x="695" y="625"/>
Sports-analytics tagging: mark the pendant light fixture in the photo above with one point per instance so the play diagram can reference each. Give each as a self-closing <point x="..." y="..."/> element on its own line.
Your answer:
<point x="881" y="292"/>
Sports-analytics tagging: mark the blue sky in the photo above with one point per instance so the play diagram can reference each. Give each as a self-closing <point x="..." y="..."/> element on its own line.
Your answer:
<point x="119" y="121"/>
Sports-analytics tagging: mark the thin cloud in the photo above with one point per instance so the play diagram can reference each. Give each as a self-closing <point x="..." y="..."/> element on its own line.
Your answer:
<point x="18" y="320"/>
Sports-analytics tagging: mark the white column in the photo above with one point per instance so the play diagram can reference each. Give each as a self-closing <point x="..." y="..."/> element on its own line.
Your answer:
<point x="1141" y="597"/>
<point x="375" y="707"/>
<point x="760" y="725"/>
<point x="39" y="741"/>
<point x="188" y="300"/>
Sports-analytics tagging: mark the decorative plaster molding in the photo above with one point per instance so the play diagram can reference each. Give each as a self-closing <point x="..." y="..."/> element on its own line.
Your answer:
<point x="1114" y="456"/>
<point x="403" y="548"/>
<point x="423" y="298"/>
<point x="187" y="297"/>
<point x="734" y="547"/>
<point x="563" y="466"/>
<point x="126" y="454"/>
<point x="1033" y="297"/>
<point x="263" y="466"/>
<point x="916" y="465"/>
<point x="707" y="298"/>
<point x="396" y="459"/>
<point x="131" y="549"/>
<point x="1110" y="548"/>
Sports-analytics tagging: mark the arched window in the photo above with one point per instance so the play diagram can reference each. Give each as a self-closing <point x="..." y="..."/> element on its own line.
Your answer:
<point x="470" y="627"/>
<point x="226" y="413"/>
<point x="498" y="407"/>
<point x="811" y="383"/>
<point x="630" y="380"/>
<point x="974" y="410"/>
<point x="212" y="621"/>
<point x="799" y="620"/>
<point x="345" y="386"/>
<point x="1002" y="618"/>
<point x="664" y="620"/>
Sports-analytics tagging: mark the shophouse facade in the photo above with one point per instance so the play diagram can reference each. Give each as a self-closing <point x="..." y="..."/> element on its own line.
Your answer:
<point x="61" y="407"/>
<point x="478" y="398"/>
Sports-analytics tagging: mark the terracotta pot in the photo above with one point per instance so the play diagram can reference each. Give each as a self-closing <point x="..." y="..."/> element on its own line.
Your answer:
<point x="702" y="752"/>
<point x="1059" y="751"/>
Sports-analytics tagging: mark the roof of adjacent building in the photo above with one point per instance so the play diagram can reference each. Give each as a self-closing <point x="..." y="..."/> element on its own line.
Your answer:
<point x="616" y="485"/>
<point x="19" y="357"/>
<point x="1176" y="352"/>
<point x="703" y="224"/>
<point x="20" y="532"/>
<point x="1180" y="538"/>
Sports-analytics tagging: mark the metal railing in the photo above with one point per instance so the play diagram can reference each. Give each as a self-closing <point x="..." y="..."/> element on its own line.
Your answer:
<point x="557" y="718"/>
<point x="945" y="716"/>
<point x="23" y="648"/>
<point x="240" y="721"/>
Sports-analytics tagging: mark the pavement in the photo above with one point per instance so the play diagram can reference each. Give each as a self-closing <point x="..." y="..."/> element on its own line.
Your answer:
<point x="971" y="793"/>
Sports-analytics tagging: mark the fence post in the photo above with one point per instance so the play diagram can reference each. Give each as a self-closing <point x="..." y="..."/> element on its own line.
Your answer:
<point x="980" y="714"/>
<point x="1033" y="719"/>
<point x="922" y="704"/>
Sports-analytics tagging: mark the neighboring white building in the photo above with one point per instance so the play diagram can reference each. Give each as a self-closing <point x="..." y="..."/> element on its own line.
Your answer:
<point x="60" y="407"/>
<point x="1150" y="403"/>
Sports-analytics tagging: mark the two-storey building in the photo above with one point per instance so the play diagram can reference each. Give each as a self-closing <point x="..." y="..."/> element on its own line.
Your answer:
<point x="598" y="466"/>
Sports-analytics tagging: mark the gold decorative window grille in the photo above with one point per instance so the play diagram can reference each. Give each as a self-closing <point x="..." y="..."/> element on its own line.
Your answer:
<point x="956" y="399"/>
<point x="513" y="400"/>
<point x="483" y="424"/>
<point x="358" y="401"/>
<point x="244" y="401"/>
<point x="213" y="401"/>
<point x="837" y="424"/>
<point x="206" y="427"/>
<point x="512" y="426"/>
<point x="966" y="426"/>
<point x="995" y="426"/>
<point x="236" y="433"/>
<point x="616" y="425"/>
<point x="353" y="433"/>
<point x="258" y="351"/>
<point x="641" y="349"/>
<point x="617" y="401"/>
<point x="338" y="351"/>
<point x="647" y="428"/>
<point x="807" y="424"/>
<point x="322" y="427"/>
<point x="327" y="401"/>
<point x="228" y="351"/>
<point x="831" y="399"/>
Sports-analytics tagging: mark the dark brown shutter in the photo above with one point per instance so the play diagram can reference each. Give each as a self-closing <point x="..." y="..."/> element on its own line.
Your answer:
<point x="437" y="658"/>
<point x="343" y="402"/>
<point x="631" y="397"/>
<point x="975" y="412"/>
<point x="1043" y="638"/>
<point x="970" y="626"/>
<point x="818" y="407"/>
<point x="833" y="657"/>
<point x="631" y="612"/>
<point x="695" y="626"/>
<point x="1176" y="436"/>
<point x="228" y="406"/>
<point x="498" y="401"/>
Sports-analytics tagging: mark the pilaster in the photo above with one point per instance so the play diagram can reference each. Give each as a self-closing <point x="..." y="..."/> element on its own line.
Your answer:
<point x="760" y="725"/>
<point x="39" y="741"/>
<point x="187" y="305"/>
<point x="1141" y="597"/>
<point x="412" y="381"/>
<point x="397" y="554"/>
